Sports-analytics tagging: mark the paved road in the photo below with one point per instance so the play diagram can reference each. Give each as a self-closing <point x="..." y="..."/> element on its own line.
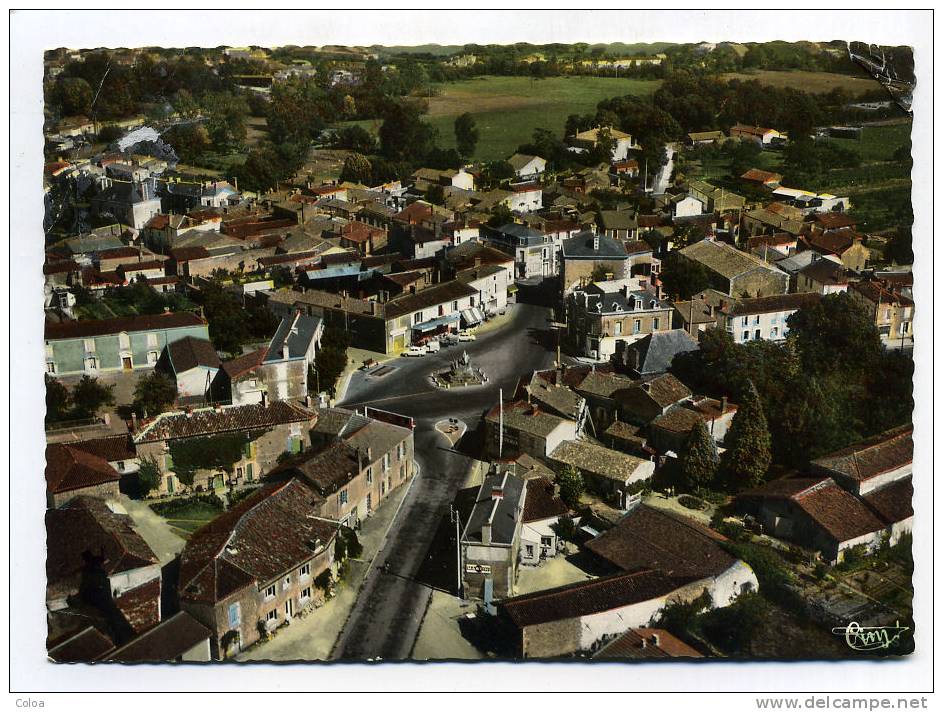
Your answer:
<point x="385" y="620"/>
<point x="663" y="177"/>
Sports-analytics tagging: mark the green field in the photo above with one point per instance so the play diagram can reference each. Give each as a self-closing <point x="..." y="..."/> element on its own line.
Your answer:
<point x="187" y="519"/>
<point x="508" y="109"/>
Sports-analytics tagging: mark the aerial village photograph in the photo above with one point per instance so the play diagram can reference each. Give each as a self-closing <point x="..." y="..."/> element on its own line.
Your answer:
<point x="596" y="352"/>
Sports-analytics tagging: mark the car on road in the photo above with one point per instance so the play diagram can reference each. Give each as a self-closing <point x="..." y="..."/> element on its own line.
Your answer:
<point x="415" y="351"/>
<point x="466" y="336"/>
<point x="449" y="340"/>
<point x="433" y="347"/>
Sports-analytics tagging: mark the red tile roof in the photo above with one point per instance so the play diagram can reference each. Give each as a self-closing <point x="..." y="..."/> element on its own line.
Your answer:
<point x="101" y="327"/>
<point x="756" y="175"/>
<point x="842" y="515"/>
<point x="833" y="221"/>
<point x="190" y="352"/>
<point x="206" y="421"/>
<point x="111" y="448"/>
<point x="586" y="598"/>
<point x="69" y="468"/>
<point x="648" y="538"/>
<point x="164" y="642"/>
<point x="647" y="643"/>
<point x="541" y="502"/>
<point x="274" y="530"/>
<point x="245" y="363"/>
<point x="894" y="502"/>
<point x="869" y="458"/>
<point x="86" y="646"/>
<point x="185" y="254"/>
<point x="140" y="606"/>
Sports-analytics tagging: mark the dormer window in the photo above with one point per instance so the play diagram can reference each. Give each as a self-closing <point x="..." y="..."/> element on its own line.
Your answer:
<point x="616" y="307"/>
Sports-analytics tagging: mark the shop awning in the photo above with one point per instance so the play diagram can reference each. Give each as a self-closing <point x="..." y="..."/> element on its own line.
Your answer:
<point x="434" y="324"/>
<point x="472" y="317"/>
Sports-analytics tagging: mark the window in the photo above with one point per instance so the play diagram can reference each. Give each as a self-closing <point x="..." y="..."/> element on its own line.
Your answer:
<point x="386" y="462"/>
<point x="89" y="346"/>
<point x="402" y="472"/>
<point x="746" y="335"/>
<point x="305" y="571"/>
<point x="530" y="549"/>
<point x="655" y="323"/>
<point x="91" y="363"/>
<point x="454" y="306"/>
<point x="235" y="615"/>
<point x="151" y="358"/>
<point x="50" y="367"/>
<point x="250" y="471"/>
<point x="417" y="317"/>
<point x="618" y="328"/>
<point x="757" y="335"/>
<point x="342" y="497"/>
<point x="637" y="326"/>
<point x="306" y="594"/>
<point x="370" y="475"/>
<point x="120" y="465"/>
<point x="400" y="451"/>
<point x="756" y="319"/>
<point x="774" y="332"/>
<point x="287" y="582"/>
<point x="272" y="615"/>
<point x="270" y="592"/>
<point x="546" y="541"/>
<point x="152" y="341"/>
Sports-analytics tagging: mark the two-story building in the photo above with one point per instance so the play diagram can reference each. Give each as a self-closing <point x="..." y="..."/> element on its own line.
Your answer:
<point x="257" y="565"/>
<point x="736" y="273"/>
<point x="97" y="346"/>
<point x="587" y="256"/>
<point x="762" y="317"/>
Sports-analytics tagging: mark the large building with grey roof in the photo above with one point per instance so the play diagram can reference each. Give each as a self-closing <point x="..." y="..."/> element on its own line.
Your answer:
<point x="735" y="272"/>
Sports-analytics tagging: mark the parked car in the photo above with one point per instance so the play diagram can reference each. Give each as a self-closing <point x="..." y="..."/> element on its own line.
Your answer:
<point x="466" y="336"/>
<point x="449" y="340"/>
<point x="433" y="347"/>
<point x="415" y="351"/>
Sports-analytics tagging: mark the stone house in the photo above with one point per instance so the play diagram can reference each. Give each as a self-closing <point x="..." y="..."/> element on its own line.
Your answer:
<point x="607" y="472"/>
<point x="542" y="510"/>
<point x="354" y="464"/>
<point x="735" y="272"/>
<point x="586" y="253"/>
<point x="669" y="431"/>
<point x="605" y="317"/>
<point x="845" y="244"/>
<point x="73" y="472"/>
<point x="491" y="538"/>
<point x="257" y="565"/>
<point x="892" y="310"/>
<point x="524" y="427"/>
<point x="270" y="429"/>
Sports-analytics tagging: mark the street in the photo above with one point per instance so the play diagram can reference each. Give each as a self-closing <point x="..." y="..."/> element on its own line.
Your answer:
<point x="384" y="622"/>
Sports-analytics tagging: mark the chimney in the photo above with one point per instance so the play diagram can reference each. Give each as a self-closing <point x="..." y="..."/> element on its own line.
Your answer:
<point x="644" y="643"/>
<point x="134" y="421"/>
<point x="723" y="405"/>
<point x="369" y="454"/>
<point x="656" y="641"/>
<point x="478" y="262"/>
<point x="308" y="400"/>
<point x="264" y="399"/>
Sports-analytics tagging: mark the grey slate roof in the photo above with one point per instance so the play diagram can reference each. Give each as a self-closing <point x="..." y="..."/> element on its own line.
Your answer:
<point x="297" y="331"/>
<point x="502" y="513"/>
<point x="581" y="246"/>
<point x="657" y="350"/>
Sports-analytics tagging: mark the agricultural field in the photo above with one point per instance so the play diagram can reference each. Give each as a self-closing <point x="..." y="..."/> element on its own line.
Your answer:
<point x="508" y="109"/>
<point x="813" y="82"/>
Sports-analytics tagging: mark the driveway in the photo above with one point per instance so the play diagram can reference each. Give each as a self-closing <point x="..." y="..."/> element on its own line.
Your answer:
<point x="153" y="529"/>
<point x="386" y="618"/>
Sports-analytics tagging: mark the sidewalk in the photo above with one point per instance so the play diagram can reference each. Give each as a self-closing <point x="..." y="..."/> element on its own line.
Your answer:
<point x="313" y="637"/>
<point x="355" y="359"/>
<point x="440" y="637"/>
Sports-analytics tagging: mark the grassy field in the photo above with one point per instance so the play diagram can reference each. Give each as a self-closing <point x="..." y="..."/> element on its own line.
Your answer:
<point x="508" y="109"/>
<point x="813" y="82"/>
<point x="190" y="518"/>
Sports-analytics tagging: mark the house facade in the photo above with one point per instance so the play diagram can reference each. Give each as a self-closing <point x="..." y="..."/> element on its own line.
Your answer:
<point x="762" y="318"/>
<point x="121" y="344"/>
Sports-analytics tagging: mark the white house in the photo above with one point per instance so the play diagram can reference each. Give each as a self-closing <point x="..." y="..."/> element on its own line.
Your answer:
<point x="491" y="281"/>
<point x="526" y="197"/>
<point x="762" y="317"/>
<point x="527" y="167"/>
<point x="193" y="364"/>
<point x="586" y="140"/>
<point x="688" y="206"/>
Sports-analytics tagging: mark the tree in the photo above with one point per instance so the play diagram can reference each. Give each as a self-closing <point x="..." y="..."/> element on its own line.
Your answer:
<point x="500" y="215"/>
<point x="58" y="400"/>
<point x="570" y="482"/>
<point x="835" y="334"/>
<point x="436" y="194"/>
<point x="331" y="359"/>
<point x="681" y="277"/>
<point x="73" y="95"/>
<point x="357" y="169"/>
<point x="748" y="454"/>
<point x="403" y="134"/>
<point x="148" y="478"/>
<point x="89" y="396"/>
<point x="600" y="272"/>
<point x="698" y="458"/>
<point x="228" y="325"/>
<point x="189" y="141"/>
<point x="226" y="119"/>
<point x="154" y="393"/>
<point x="466" y="134"/>
<point x="356" y="138"/>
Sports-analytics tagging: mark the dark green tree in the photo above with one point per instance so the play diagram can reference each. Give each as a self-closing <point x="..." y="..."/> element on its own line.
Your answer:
<point x="570" y="482"/>
<point x="748" y="455"/>
<point x="330" y="360"/>
<point x="147" y="478"/>
<point x="466" y="135"/>
<point x="500" y="215"/>
<point x="189" y="141"/>
<point x="89" y="396"/>
<point x="58" y="400"/>
<point x="72" y="95"/>
<point x="404" y="136"/>
<point x="681" y="277"/>
<point x="698" y="458"/>
<point x="357" y="169"/>
<point x="154" y="393"/>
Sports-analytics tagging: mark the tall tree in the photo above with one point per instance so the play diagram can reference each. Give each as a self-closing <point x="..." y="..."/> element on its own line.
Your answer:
<point x="682" y="277"/>
<point x="58" y="400"/>
<point x="89" y="396"/>
<point x="466" y="135"/>
<point x="698" y="458"/>
<point x="570" y="482"/>
<point x="154" y="393"/>
<point x="357" y="169"/>
<point x="404" y="136"/>
<point x="748" y="454"/>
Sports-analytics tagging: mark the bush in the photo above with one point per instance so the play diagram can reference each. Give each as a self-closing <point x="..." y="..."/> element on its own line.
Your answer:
<point x="175" y="506"/>
<point x="240" y="494"/>
<point x="565" y="528"/>
<point x="690" y="502"/>
<point x="323" y="580"/>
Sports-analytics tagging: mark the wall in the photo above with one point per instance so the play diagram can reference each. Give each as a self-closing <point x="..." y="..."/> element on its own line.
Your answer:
<point x="107" y="490"/>
<point x="550" y="640"/>
<point x="759" y="282"/>
<point x="764" y="322"/>
<point x="531" y="534"/>
<point x="196" y="382"/>
<point x="576" y="269"/>
<point x="285" y="380"/>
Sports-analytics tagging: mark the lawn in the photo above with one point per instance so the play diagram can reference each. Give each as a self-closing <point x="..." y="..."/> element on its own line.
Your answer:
<point x="813" y="82"/>
<point x="508" y="109"/>
<point x="186" y="517"/>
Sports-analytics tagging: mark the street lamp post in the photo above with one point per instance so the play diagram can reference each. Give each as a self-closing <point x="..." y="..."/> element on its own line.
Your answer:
<point x="453" y="515"/>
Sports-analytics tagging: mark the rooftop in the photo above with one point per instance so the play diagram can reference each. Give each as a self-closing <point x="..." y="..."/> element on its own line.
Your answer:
<point x="70" y="468"/>
<point x="871" y="457"/>
<point x="190" y="352"/>
<point x="597" y="460"/>
<point x="127" y="324"/>
<point x="227" y="418"/>
<point x="726" y="260"/>
<point x="296" y="332"/>
<point x="498" y="504"/>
